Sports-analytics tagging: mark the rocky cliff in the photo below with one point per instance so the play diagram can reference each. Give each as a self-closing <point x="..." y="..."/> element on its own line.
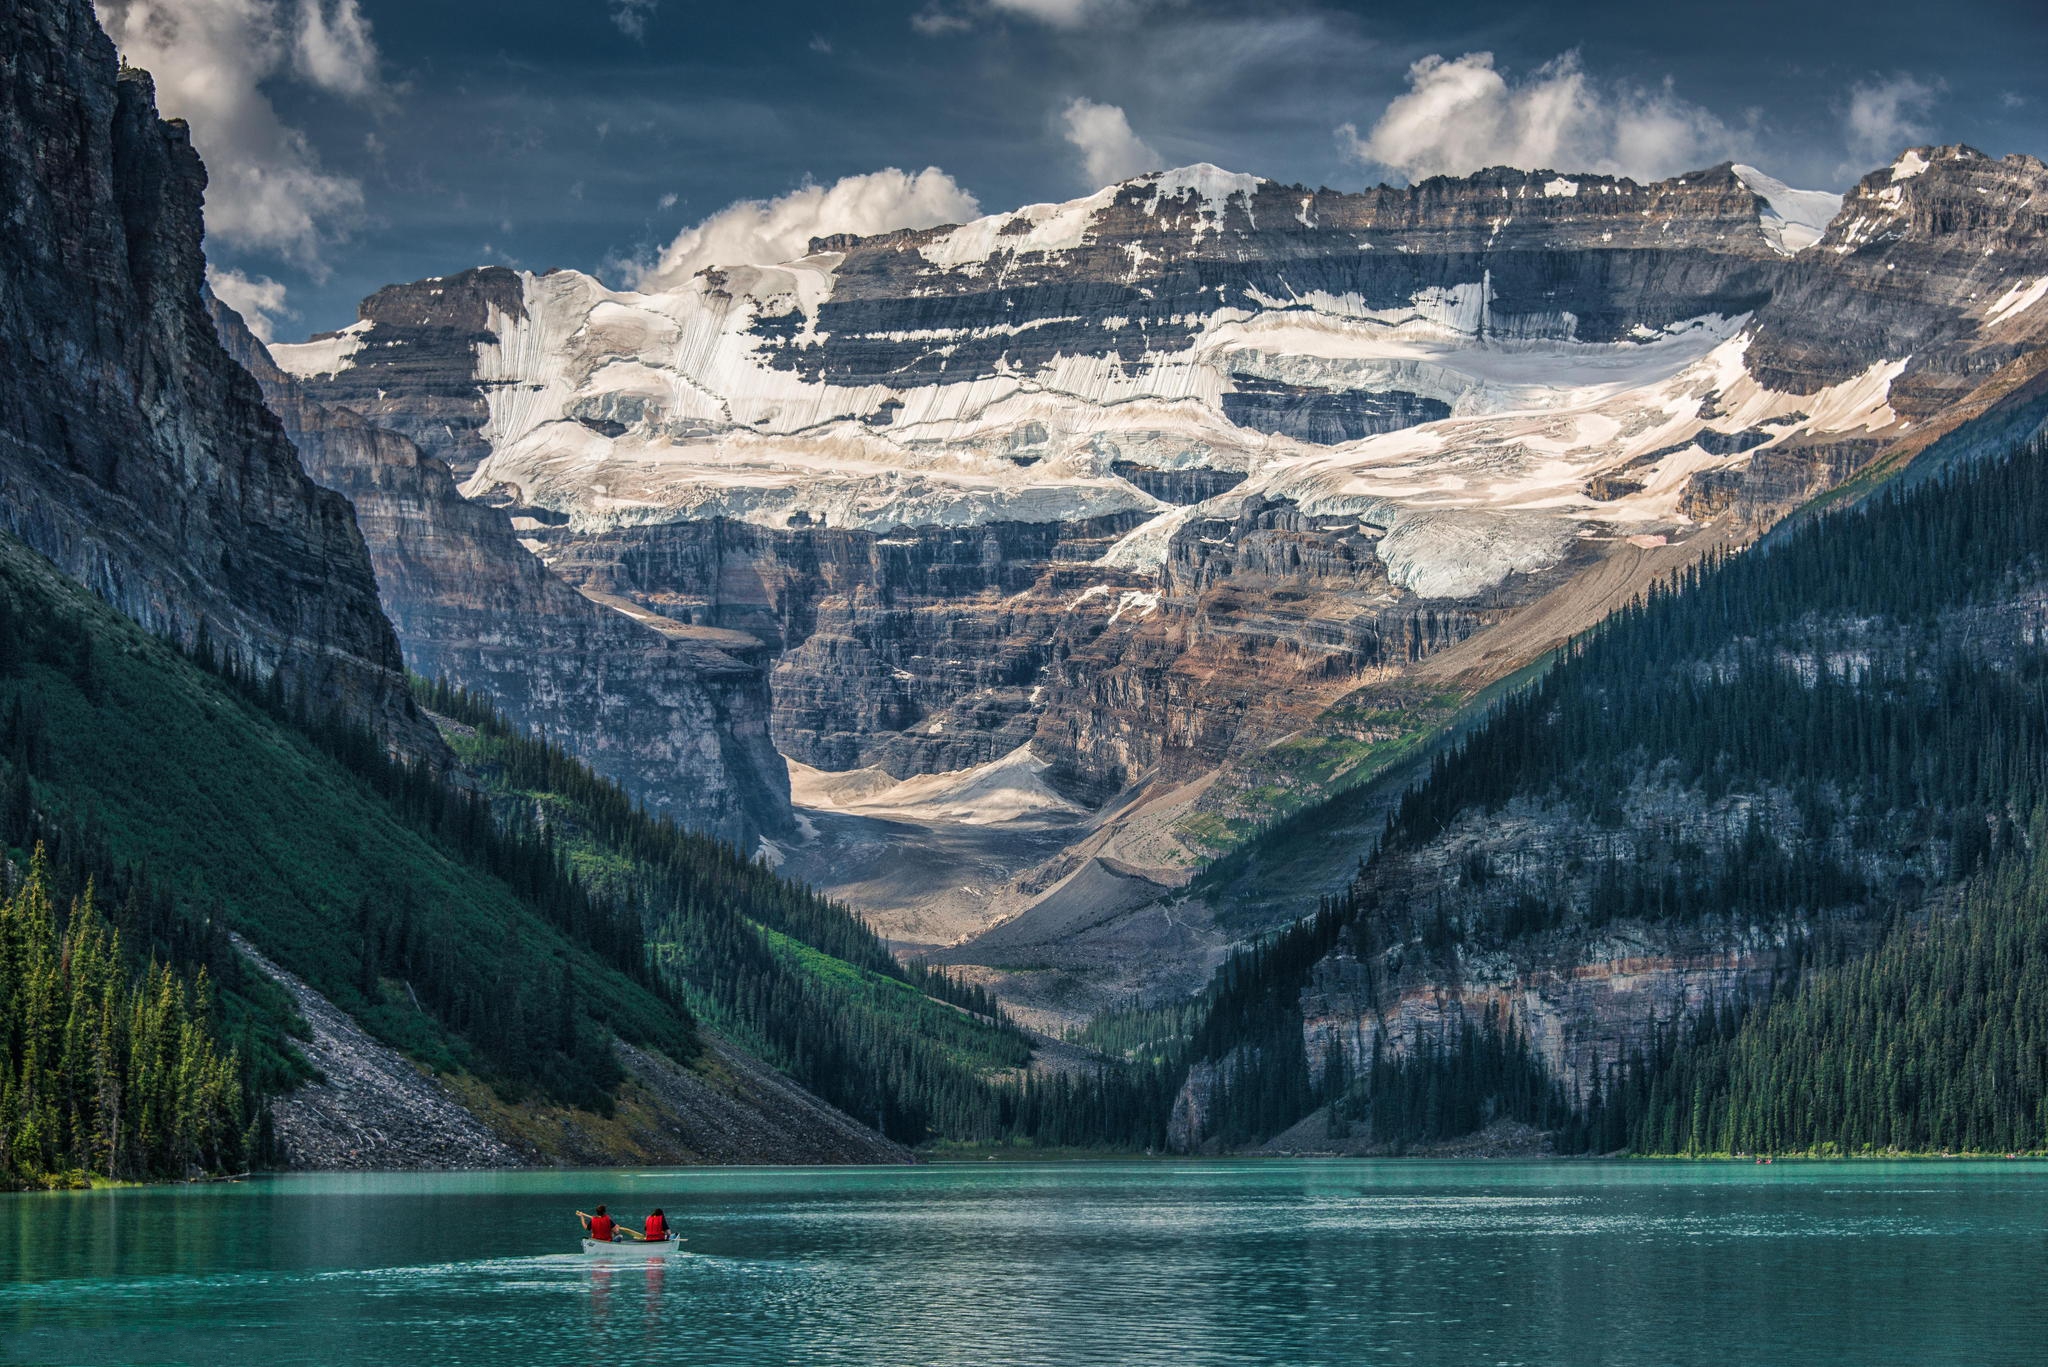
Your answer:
<point x="134" y="452"/>
<point x="677" y="714"/>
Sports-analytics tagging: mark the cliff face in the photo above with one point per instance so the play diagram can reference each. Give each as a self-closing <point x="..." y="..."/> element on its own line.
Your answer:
<point x="677" y="715"/>
<point x="134" y="452"/>
<point x="1937" y="257"/>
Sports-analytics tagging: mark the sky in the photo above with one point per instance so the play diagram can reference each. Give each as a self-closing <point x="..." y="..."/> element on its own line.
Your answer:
<point x="357" y="143"/>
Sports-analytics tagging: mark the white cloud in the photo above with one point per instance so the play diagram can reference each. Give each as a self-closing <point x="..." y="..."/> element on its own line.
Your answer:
<point x="1110" y="151"/>
<point x="937" y="18"/>
<point x="260" y="300"/>
<point x="334" y="51"/>
<point x="768" y="231"/>
<point x="266" y="188"/>
<point x="934" y="21"/>
<point x="631" y="16"/>
<point x="667" y="201"/>
<point x="1461" y="114"/>
<point x="1885" y="117"/>
<point x="1058" y="13"/>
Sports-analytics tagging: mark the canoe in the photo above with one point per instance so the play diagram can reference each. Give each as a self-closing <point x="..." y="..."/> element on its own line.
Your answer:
<point x="633" y="1248"/>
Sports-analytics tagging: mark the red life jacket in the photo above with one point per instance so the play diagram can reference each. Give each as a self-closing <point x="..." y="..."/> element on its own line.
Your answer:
<point x="601" y="1228"/>
<point x="657" y="1227"/>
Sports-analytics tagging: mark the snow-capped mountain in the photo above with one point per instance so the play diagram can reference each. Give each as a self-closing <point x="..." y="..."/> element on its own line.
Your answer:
<point x="1147" y="479"/>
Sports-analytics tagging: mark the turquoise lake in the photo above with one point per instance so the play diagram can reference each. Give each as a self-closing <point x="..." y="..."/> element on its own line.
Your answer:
<point x="984" y="1265"/>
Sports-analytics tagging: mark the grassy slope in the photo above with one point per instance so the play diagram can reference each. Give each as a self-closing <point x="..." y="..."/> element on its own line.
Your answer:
<point x="239" y="815"/>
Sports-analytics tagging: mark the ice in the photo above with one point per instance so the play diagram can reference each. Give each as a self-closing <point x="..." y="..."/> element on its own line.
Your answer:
<point x="328" y="355"/>
<point x="1797" y="218"/>
<point x="1143" y="549"/>
<point x="1560" y="188"/>
<point x="1911" y="164"/>
<point x="1213" y="186"/>
<point x="1051" y="228"/>
<point x="708" y="425"/>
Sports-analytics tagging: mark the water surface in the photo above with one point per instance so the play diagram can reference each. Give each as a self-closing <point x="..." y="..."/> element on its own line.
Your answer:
<point x="984" y="1265"/>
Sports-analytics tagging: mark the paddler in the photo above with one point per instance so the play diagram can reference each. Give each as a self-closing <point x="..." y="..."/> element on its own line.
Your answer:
<point x="600" y="1225"/>
<point x="657" y="1227"/>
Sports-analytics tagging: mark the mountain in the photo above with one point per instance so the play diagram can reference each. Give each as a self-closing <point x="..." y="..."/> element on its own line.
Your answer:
<point x="133" y="452"/>
<point x="290" y="914"/>
<point x="677" y="714"/>
<point x="1737" y="874"/>
<point x="1206" y="494"/>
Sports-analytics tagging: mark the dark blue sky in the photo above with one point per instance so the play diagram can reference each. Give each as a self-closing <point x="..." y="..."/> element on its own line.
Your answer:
<point x="553" y="132"/>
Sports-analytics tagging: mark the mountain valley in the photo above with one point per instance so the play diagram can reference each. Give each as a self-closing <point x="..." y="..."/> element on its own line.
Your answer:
<point x="1210" y="665"/>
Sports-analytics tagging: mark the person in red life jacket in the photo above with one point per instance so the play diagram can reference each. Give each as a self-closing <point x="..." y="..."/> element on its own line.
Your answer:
<point x="657" y="1227"/>
<point x="600" y="1225"/>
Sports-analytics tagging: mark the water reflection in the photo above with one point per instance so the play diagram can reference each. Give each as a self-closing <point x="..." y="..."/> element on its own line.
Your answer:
<point x="1296" y="1263"/>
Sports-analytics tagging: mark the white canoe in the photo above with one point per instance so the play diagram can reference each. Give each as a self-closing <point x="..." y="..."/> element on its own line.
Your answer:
<point x="633" y="1248"/>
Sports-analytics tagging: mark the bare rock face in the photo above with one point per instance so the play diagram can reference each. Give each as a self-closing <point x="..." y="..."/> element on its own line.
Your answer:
<point x="371" y="1108"/>
<point x="1148" y="478"/>
<point x="421" y="380"/>
<point x="134" y="452"/>
<point x="1936" y="257"/>
<point x="677" y="715"/>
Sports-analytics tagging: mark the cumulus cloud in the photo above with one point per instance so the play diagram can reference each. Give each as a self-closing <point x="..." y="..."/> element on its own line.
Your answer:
<point x="1461" y="114"/>
<point x="1885" y="117"/>
<point x="260" y="300"/>
<point x="631" y="16"/>
<point x="1109" y="150"/>
<point x="768" y="231"/>
<point x="266" y="187"/>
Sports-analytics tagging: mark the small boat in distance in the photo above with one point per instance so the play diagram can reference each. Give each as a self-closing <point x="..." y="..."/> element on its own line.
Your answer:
<point x="633" y="1248"/>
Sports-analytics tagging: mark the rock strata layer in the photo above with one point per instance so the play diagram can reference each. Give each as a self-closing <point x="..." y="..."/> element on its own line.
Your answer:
<point x="676" y="714"/>
<point x="134" y="452"/>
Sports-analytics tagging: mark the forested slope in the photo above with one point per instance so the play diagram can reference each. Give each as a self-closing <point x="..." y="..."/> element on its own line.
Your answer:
<point x="1754" y="867"/>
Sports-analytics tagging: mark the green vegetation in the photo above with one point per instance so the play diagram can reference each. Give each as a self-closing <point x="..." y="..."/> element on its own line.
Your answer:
<point x="200" y="808"/>
<point x="795" y="977"/>
<point x="1863" y="666"/>
<point x="106" y="1069"/>
<point x="1299" y="785"/>
<point x="1935" y="1041"/>
<point x="1155" y="1035"/>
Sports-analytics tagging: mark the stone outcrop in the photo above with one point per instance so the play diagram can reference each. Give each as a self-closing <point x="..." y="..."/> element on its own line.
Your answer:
<point x="676" y="714"/>
<point x="369" y="1108"/>
<point x="134" y="452"/>
<point x="1933" y="258"/>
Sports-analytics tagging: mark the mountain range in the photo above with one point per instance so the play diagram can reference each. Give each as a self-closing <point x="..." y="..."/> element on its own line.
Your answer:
<point x="1248" y="656"/>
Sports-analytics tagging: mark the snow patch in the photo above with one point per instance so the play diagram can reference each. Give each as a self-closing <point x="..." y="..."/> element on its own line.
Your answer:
<point x="1796" y="218"/>
<point x="1909" y="165"/>
<point x="322" y="356"/>
<point x="1212" y="186"/>
<point x="1142" y="550"/>
<point x="2017" y="300"/>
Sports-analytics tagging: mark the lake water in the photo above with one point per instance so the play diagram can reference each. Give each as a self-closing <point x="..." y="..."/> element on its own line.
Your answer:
<point x="984" y="1265"/>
